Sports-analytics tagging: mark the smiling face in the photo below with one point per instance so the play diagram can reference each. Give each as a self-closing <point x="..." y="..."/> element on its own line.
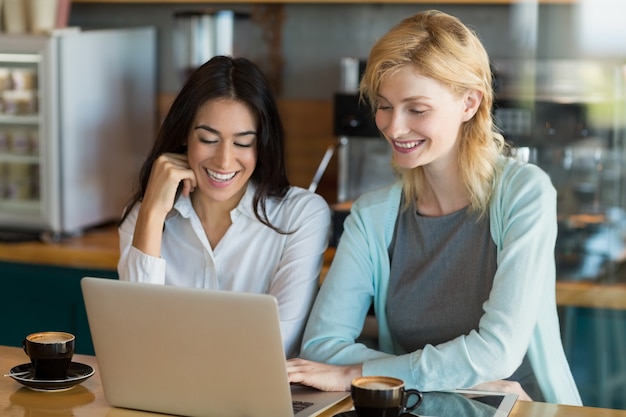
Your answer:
<point x="421" y="118"/>
<point x="222" y="150"/>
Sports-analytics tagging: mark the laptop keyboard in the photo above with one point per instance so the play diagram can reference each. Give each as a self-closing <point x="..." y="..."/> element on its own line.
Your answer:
<point x="300" y="405"/>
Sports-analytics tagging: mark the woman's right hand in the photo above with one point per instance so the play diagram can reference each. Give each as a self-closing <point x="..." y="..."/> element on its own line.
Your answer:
<point x="168" y="170"/>
<point x="322" y="376"/>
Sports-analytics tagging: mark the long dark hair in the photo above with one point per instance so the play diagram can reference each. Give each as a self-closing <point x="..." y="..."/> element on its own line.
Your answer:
<point x="231" y="78"/>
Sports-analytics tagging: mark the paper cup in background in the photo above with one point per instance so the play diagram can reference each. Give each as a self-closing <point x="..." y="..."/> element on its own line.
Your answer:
<point x="42" y="15"/>
<point x="14" y="16"/>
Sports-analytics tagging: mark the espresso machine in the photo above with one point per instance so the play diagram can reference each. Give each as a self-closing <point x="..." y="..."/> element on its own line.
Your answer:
<point x="363" y="155"/>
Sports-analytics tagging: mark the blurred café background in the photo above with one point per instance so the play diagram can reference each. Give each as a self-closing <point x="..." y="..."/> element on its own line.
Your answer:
<point x="560" y="82"/>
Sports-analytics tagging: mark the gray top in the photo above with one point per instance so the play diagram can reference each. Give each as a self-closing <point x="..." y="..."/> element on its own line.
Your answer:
<point x="442" y="271"/>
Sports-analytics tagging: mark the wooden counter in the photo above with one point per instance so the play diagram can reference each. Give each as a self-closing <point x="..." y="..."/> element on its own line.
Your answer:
<point x="591" y="295"/>
<point x="99" y="249"/>
<point x="46" y="276"/>
<point x="96" y="249"/>
<point x="87" y="399"/>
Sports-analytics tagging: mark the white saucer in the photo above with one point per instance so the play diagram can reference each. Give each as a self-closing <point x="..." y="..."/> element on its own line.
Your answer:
<point x="76" y="373"/>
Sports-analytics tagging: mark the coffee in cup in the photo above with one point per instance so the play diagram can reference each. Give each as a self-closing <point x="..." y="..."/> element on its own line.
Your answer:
<point x="50" y="353"/>
<point x="383" y="396"/>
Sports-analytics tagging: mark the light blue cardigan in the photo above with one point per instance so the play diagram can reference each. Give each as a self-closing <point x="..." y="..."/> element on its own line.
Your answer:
<point x="520" y="315"/>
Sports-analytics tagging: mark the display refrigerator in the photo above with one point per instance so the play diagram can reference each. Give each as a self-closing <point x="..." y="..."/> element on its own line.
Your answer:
<point x="77" y="117"/>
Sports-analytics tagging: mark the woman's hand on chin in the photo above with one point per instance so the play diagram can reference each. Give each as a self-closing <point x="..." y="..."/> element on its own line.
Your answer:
<point x="322" y="376"/>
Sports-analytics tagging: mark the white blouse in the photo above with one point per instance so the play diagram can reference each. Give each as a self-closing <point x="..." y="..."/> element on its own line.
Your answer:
<point x="251" y="257"/>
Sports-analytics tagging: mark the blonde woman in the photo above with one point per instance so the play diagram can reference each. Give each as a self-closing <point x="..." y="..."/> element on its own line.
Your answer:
<point x="457" y="257"/>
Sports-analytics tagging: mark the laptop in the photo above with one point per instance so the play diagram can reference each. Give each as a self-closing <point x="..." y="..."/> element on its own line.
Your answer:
<point x="193" y="352"/>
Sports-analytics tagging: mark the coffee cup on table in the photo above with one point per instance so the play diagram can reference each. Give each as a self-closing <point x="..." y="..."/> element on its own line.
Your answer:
<point x="50" y="353"/>
<point x="383" y="396"/>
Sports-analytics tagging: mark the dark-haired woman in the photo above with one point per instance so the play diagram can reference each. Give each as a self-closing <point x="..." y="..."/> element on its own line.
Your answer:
<point x="214" y="208"/>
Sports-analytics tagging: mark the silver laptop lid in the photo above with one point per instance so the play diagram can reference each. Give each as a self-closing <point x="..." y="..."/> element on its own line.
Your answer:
<point x="187" y="351"/>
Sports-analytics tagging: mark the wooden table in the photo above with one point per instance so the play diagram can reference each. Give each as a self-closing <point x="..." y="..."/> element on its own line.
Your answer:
<point x="87" y="399"/>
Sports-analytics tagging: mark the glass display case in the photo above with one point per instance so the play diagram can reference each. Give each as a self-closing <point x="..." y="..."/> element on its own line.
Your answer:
<point x="77" y="116"/>
<point x="569" y="118"/>
<point x="19" y="133"/>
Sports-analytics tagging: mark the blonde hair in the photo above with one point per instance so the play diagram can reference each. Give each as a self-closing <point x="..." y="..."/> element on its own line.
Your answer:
<point x="441" y="47"/>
